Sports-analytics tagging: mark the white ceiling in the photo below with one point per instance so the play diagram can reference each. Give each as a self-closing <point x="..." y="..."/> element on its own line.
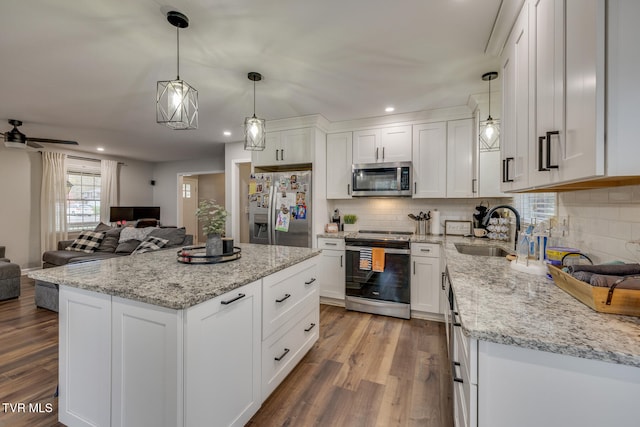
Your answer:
<point x="87" y="70"/>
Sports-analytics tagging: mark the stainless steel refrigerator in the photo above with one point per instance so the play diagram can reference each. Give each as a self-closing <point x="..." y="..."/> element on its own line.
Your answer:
<point x="280" y="208"/>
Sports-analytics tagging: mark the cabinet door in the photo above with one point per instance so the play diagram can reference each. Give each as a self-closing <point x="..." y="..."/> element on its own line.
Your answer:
<point x="331" y="274"/>
<point x="429" y="160"/>
<point x="366" y="145"/>
<point x="296" y="146"/>
<point x="461" y="181"/>
<point x="146" y="375"/>
<point x="339" y="161"/>
<point x="549" y="96"/>
<point x="425" y="284"/>
<point x="222" y="357"/>
<point x="395" y="144"/>
<point x="85" y="358"/>
<point x="271" y="154"/>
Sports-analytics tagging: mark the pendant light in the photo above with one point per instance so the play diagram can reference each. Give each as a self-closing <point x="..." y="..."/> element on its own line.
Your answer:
<point x="490" y="128"/>
<point x="254" y="128"/>
<point x="176" y="100"/>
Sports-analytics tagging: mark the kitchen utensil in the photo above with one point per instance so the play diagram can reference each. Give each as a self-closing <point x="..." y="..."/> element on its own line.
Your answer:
<point x="413" y="217"/>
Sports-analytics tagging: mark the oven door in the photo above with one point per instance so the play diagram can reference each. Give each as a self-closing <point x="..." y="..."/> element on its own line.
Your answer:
<point x="392" y="284"/>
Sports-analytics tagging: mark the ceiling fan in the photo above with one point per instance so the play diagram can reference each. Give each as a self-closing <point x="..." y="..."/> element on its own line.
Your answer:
<point x="16" y="139"/>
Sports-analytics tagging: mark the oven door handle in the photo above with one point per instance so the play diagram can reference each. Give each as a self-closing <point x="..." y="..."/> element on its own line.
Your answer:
<point x="386" y="250"/>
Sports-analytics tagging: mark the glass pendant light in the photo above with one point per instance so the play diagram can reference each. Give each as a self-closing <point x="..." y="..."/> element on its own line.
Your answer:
<point x="176" y="100"/>
<point x="254" y="128"/>
<point x="490" y="128"/>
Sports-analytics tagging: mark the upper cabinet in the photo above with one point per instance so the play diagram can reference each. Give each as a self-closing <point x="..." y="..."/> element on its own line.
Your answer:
<point x="391" y="144"/>
<point x="429" y="160"/>
<point x="339" y="161"/>
<point x="461" y="159"/>
<point x="287" y="147"/>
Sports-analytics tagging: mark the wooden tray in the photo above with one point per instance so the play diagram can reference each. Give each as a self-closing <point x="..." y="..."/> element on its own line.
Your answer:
<point x="623" y="301"/>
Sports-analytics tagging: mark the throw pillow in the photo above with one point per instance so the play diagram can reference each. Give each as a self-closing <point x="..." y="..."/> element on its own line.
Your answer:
<point x="130" y="233"/>
<point x="175" y="235"/>
<point x="110" y="242"/>
<point x="87" y="242"/>
<point x="102" y="227"/>
<point x="150" y="244"/>
<point x="127" y="247"/>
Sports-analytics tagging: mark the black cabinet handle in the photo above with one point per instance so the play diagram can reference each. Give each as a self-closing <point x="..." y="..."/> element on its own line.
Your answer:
<point x="549" y="165"/>
<point x="282" y="154"/>
<point x="415" y="187"/>
<point x="313" y="325"/>
<point x="348" y="189"/>
<point x="341" y="261"/>
<point x="376" y="154"/>
<point x="277" y="155"/>
<point x="286" y="350"/>
<point x="313" y="279"/>
<point x="453" y="319"/>
<point x="540" y="167"/>
<point x="442" y="278"/>
<point x="453" y="372"/>
<point x="233" y="299"/>
<point x="505" y="169"/>
<point x="473" y="185"/>
<point x="283" y="298"/>
<point x="382" y="153"/>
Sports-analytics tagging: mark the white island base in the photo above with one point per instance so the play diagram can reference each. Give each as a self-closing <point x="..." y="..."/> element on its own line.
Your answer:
<point x="128" y="363"/>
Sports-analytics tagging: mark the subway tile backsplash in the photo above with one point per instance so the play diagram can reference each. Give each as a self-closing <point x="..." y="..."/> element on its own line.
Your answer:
<point x="602" y="221"/>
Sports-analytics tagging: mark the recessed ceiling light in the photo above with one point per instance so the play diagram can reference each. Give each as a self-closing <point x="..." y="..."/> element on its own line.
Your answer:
<point x="100" y="148"/>
<point x="227" y="133"/>
<point x="389" y="109"/>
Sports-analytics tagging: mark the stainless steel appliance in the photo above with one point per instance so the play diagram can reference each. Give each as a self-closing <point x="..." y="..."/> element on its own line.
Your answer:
<point x="381" y="179"/>
<point x="280" y="208"/>
<point x="386" y="292"/>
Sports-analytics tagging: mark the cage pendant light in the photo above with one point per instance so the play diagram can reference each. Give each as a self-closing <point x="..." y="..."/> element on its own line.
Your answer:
<point x="254" y="128"/>
<point x="176" y="100"/>
<point x="490" y="128"/>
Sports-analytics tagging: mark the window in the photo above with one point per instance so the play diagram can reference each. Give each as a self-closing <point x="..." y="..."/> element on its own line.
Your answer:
<point x="83" y="200"/>
<point x="186" y="191"/>
<point x="535" y="207"/>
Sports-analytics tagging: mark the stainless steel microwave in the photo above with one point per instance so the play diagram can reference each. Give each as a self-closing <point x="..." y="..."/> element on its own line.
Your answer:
<point x="381" y="179"/>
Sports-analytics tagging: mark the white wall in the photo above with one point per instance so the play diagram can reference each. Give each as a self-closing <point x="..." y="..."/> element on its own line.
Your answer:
<point x="234" y="153"/>
<point x="165" y="192"/>
<point x="602" y="221"/>
<point x="20" y="183"/>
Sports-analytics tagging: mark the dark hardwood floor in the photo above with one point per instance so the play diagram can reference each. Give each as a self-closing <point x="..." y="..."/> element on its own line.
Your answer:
<point x="364" y="370"/>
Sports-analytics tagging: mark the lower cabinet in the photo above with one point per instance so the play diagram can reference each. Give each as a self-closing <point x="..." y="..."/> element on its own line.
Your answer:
<point x="425" y="278"/>
<point x="127" y="363"/>
<point x="331" y="268"/>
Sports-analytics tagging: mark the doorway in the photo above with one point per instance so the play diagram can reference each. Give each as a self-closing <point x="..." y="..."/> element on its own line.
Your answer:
<point x="189" y="204"/>
<point x="198" y="187"/>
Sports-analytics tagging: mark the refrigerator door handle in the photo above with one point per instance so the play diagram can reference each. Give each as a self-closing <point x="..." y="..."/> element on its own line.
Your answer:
<point x="270" y="210"/>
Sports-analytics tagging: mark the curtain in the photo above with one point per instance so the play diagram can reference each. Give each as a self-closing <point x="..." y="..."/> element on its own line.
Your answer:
<point x="53" y="201"/>
<point x="108" y="187"/>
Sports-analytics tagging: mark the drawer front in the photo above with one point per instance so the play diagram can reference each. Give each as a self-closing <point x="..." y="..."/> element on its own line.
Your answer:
<point x="431" y="250"/>
<point x="284" y="349"/>
<point x="460" y="406"/>
<point x="329" y="243"/>
<point x="283" y="297"/>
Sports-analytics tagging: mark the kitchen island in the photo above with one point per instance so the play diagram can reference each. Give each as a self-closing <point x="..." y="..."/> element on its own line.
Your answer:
<point x="145" y="340"/>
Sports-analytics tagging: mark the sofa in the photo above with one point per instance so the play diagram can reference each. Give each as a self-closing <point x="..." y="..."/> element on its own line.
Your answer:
<point x="9" y="278"/>
<point x="115" y="242"/>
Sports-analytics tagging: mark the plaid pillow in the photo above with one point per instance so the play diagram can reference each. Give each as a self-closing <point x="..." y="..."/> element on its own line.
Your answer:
<point x="150" y="244"/>
<point x="87" y="242"/>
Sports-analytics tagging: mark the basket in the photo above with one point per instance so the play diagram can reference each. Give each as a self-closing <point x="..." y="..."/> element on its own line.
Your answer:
<point x="621" y="301"/>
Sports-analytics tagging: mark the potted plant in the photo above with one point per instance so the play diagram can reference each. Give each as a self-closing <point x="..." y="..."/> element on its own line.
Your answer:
<point x="350" y="222"/>
<point x="213" y="218"/>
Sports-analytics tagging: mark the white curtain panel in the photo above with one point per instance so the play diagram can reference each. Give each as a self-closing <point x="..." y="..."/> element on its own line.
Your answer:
<point x="53" y="201"/>
<point x="108" y="187"/>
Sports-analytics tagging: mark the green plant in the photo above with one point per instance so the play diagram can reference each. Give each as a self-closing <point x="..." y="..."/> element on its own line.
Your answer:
<point x="350" y="218"/>
<point x="212" y="216"/>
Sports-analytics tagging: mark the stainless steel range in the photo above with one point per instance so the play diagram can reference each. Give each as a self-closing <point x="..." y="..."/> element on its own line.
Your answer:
<point x="378" y="268"/>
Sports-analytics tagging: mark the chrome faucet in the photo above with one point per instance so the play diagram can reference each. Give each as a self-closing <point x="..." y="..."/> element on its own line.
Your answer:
<point x="487" y="217"/>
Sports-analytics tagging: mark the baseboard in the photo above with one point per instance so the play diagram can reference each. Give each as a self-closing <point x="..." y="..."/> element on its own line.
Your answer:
<point x="332" y="301"/>
<point x="427" y="316"/>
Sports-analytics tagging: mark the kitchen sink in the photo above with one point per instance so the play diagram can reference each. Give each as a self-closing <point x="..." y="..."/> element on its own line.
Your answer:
<point x="481" y="250"/>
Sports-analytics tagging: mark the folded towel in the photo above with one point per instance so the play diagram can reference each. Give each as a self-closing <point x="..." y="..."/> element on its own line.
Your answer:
<point x="624" y="282"/>
<point x="365" y="259"/>
<point x="377" y="260"/>
<point x="608" y="269"/>
<point x="585" y="276"/>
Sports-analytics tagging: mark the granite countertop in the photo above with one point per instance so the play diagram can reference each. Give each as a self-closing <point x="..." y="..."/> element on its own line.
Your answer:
<point x="158" y="278"/>
<point x="501" y="305"/>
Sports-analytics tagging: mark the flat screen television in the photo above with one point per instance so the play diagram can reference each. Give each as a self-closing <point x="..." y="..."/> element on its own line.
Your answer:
<point x="133" y="213"/>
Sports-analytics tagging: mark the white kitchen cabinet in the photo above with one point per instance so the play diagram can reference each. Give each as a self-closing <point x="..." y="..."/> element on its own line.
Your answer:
<point x="516" y="123"/>
<point x="331" y="268"/>
<point x="425" y="277"/>
<point x="339" y="161"/>
<point x="222" y="358"/>
<point x="461" y="158"/>
<point x="85" y="358"/>
<point x="146" y="375"/>
<point x="392" y="144"/>
<point x="429" y="160"/>
<point x="287" y="147"/>
<point x="290" y="321"/>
